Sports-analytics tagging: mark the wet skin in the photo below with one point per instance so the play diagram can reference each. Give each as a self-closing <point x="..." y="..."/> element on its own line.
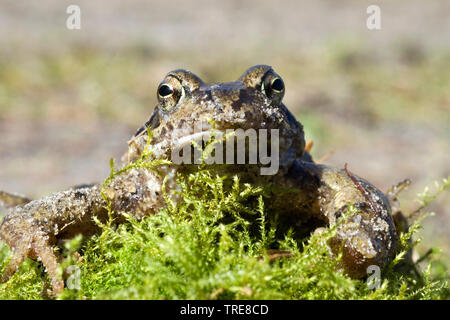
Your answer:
<point x="320" y="193"/>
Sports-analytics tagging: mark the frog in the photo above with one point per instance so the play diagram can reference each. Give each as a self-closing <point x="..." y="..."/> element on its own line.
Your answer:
<point x="323" y="194"/>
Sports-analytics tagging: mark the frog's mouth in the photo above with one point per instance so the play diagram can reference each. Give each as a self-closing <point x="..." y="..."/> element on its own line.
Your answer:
<point x="228" y="146"/>
<point x="197" y="138"/>
<point x="169" y="147"/>
<point x="182" y="146"/>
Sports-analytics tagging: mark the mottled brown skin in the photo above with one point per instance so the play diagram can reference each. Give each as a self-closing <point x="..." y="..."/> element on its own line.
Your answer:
<point x="253" y="101"/>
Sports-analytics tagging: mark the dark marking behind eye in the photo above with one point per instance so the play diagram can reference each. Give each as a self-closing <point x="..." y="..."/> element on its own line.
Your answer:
<point x="140" y="130"/>
<point x="244" y="96"/>
<point x="153" y="122"/>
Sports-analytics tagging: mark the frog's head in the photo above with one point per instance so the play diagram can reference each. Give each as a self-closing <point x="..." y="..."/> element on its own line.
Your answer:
<point x="254" y="101"/>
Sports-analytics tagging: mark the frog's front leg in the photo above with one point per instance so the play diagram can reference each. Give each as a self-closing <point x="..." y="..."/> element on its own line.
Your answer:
<point x="367" y="237"/>
<point x="33" y="230"/>
<point x="35" y="247"/>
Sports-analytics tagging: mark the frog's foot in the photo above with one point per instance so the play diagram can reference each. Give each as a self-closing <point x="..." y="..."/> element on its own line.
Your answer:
<point x="14" y="264"/>
<point x="400" y="220"/>
<point x="9" y="200"/>
<point x="37" y="247"/>
<point x="359" y="246"/>
<point x="368" y="235"/>
<point x="394" y="191"/>
<point x="43" y="251"/>
<point x="365" y="240"/>
<point x="401" y="224"/>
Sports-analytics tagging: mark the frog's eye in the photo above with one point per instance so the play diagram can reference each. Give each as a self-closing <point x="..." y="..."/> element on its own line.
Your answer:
<point x="170" y="92"/>
<point x="165" y="90"/>
<point x="277" y="85"/>
<point x="273" y="87"/>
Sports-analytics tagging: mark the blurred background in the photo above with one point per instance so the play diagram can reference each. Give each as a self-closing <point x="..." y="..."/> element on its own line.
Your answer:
<point x="379" y="100"/>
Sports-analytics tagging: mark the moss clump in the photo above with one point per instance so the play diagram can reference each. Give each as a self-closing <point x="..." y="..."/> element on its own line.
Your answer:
<point x="212" y="245"/>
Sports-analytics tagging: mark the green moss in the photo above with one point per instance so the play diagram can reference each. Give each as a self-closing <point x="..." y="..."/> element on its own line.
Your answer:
<point x="212" y="245"/>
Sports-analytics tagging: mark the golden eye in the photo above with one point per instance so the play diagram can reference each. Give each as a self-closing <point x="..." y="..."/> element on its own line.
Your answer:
<point x="277" y="85"/>
<point x="170" y="92"/>
<point x="273" y="87"/>
<point x="165" y="90"/>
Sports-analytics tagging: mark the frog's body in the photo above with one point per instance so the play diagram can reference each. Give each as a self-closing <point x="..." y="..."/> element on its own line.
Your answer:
<point x="252" y="102"/>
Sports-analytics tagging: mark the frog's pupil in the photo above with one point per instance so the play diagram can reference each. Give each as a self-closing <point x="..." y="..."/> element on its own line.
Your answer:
<point x="165" y="90"/>
<point x="277" y="84"/>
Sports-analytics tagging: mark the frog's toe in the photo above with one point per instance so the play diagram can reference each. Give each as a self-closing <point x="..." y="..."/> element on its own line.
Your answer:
<point x="359" y="253"/>
<point x="38" y="248"/>
<point x="42" y="250"/>
<point x="9" y="200"/>
<point x="361" y="249"/>
<point x="19" y="255"/>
